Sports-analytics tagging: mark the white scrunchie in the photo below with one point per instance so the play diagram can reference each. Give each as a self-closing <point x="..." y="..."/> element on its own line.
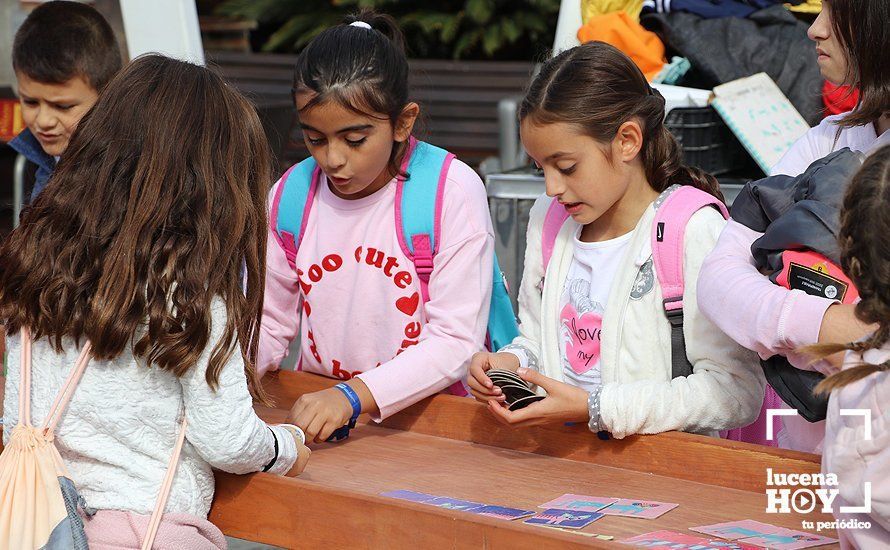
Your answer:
<point x="361" y="24"/>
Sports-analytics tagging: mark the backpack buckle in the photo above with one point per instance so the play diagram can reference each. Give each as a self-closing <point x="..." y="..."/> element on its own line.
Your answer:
<point x="423" y="265"/>
<point x="673" y="310"/>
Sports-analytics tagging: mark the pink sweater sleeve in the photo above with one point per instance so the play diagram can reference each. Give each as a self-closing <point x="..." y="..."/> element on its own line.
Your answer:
<point x="281" y="320"/>
<point x="457" y="313"/>
<point x="749" y="308"/>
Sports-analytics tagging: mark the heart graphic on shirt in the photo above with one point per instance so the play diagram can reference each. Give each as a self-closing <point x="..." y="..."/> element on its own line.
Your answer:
<point x="408" y="304"/>
<point x="582" y="334"/>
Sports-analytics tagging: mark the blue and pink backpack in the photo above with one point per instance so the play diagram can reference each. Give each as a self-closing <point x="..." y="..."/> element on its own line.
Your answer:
<point x="418" y="213"/>
<point x="679" y="203"/>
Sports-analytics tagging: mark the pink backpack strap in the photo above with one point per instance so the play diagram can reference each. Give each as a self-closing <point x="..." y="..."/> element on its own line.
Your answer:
<point x="668" y="239"/>
<point x="65" y="393"/>
<point x="553" y="221"/>
<point x="157" y="515"/>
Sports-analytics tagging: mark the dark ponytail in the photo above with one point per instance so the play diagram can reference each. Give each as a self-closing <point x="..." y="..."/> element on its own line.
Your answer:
<point x="382" y="23"/>
<point x="662" y="160"/>
<point x="363" y="69"/>
<point x="597" y="87"/>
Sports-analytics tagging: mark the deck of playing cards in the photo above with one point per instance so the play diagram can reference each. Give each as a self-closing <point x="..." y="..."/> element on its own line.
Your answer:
<point x="516" y="390"/>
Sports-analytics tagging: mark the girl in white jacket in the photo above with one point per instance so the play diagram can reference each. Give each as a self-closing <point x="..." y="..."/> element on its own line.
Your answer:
<point x="594" y="333"/>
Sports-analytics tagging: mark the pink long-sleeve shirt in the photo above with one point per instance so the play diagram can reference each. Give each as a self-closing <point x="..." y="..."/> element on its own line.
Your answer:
<point x="355" y="296"/>
<point x="753" y="311"/>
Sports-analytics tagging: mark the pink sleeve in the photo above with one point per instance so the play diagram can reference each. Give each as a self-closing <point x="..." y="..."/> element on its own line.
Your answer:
<point x="457" y="313"/>
<point x="749" y="308"/>
<point x="281" y="320"/>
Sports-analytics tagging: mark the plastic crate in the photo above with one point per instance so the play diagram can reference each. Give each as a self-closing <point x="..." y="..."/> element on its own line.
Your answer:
<point x="707" y="141"/>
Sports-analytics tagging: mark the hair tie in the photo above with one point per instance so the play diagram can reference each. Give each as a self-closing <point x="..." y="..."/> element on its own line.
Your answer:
<point x="361" y="24"/>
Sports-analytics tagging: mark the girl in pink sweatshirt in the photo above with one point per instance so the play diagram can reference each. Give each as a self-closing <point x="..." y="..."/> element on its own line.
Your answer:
<point x="857" y="445"/>
<point x="769" y="319"/>
<point x="353" y="293"/>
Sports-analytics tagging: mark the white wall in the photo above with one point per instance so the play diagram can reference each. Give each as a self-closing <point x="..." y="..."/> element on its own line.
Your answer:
<point x="169" y="27"/>
<point x="11" y="17"/>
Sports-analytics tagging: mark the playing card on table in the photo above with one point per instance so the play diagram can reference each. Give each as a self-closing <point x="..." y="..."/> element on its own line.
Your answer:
<point x="647" y="509"/>
<point x="581" y="503"/>
<point x="502" y="512"/>
<point x="454" y="504"/>
<point x="671" y="540"/>
<point x="567" y="519"/>
<point x="409" y="495"/>
<point x="735" y="530"/>
<point x="788" y="539"/>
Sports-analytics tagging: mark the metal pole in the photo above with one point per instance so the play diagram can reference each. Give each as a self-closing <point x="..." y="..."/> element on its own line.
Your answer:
<point x="18" y="188"/>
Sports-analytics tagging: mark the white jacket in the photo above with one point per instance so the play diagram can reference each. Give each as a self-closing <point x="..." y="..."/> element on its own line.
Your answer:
<point x="726" y="388"/>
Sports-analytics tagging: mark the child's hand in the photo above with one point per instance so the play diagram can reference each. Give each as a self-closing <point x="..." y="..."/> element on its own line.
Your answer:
<point x="319" y="413"/>
<point x="564" y="403"/>
<point x="303" y="453"/>
<point x="480" y="385"/>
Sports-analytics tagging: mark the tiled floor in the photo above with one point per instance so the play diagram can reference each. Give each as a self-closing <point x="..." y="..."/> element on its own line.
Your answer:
<point x="237" y="544"/>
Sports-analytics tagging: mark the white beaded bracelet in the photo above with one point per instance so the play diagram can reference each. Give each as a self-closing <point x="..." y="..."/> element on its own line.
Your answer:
<point x="296" y="430"/>
<point x="593" y="407"/>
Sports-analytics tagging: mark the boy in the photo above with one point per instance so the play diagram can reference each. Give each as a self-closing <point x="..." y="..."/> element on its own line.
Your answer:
<point x="63" y="55"/>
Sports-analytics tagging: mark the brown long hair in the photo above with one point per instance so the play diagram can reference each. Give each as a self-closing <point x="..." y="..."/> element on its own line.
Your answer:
<point x="865" y="257"/>
<point x="598" y="88"/>
<point x="862" y="31"/>
<point x="153" y="212"/>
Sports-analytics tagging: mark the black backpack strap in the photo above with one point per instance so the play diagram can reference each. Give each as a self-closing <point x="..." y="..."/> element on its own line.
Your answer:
<point x="680" y="365"/>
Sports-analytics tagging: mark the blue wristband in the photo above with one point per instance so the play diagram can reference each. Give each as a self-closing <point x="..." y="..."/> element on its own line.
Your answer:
<point x="343" y="432"/>
<point x="353" y="399"/>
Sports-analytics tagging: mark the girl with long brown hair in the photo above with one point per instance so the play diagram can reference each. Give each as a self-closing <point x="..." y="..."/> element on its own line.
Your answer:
<point x="136" y="247"/>
<point x="594" y="329"/>
<point x="857" y="448"/>
<point x="851" y="42"/>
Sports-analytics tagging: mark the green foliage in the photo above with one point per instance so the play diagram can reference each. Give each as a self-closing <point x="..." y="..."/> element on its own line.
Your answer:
<point x="459" y="29"/>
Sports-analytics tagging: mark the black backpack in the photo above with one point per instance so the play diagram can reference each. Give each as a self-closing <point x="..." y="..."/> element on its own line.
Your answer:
<point x="795" y="387"/>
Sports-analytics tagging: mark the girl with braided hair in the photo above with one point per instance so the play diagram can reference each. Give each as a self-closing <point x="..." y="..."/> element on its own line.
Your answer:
<point x="857" y="449"/>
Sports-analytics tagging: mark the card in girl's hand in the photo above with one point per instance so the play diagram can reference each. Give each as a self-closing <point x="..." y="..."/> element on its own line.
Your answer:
<point x="734" y="530"/>
<point x="580" y="503"/>
<point x="567" y="519"/>
<point x="647" y="509"/>
<point x="671" y="540"/>
<point x="454" y="504"/>
<point x="409" y="495"/>
<point x="501" y="512"/>
<point x="787" y="539"/>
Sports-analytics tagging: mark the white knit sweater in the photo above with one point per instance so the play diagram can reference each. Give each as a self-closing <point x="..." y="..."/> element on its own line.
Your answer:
<point x="119" y="429"/>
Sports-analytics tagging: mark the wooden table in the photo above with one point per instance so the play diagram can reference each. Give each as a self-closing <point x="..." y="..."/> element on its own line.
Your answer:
<point x="451" y="446"/>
